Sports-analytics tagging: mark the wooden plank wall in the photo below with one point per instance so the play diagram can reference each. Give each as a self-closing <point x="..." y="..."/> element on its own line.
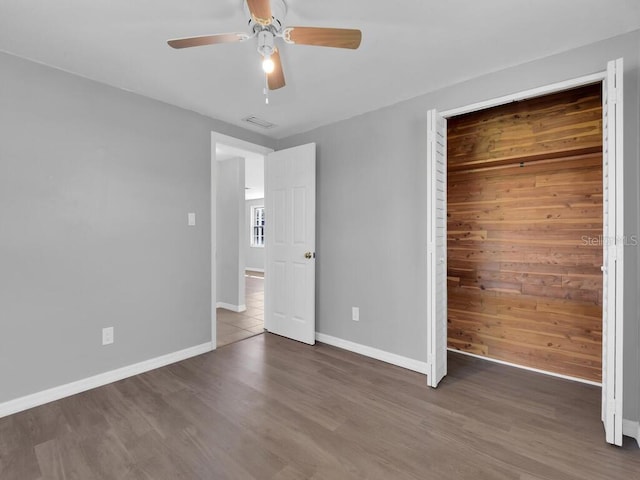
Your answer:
<point x="524" y="223"/>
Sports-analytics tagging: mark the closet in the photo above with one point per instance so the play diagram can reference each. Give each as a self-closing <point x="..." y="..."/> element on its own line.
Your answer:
<point x="524" y="238"/>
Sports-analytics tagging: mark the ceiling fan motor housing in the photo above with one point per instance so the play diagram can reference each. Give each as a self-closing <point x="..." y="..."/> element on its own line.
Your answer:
<point x="266" y="43"/>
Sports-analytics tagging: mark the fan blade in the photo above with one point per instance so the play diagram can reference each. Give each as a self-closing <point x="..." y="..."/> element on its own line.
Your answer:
<point x="260" y="11"/>
<point x="323" y="37"/>
<point x="275" y="79"/>
<point x="208" y="40"/>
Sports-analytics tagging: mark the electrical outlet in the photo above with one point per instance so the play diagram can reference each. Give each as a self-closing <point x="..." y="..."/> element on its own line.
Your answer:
<point x="107" y="336"/>
<point x="355" y="314"/>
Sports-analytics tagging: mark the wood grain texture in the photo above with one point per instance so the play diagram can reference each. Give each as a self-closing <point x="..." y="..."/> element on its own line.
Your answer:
<point x="323" y="37"/>
<point x="271" y="408"/>
<point x="551" y="126"/>
<point x="260" y="11"/>
<point x="524" y="231"/>
<point x="275" y="79"/>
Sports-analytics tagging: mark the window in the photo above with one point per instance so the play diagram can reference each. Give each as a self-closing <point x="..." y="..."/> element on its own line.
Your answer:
<point x="257" y="226"/>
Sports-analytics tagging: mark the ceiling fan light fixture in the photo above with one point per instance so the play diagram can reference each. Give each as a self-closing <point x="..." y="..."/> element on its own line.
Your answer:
<point x="267" y="64"/>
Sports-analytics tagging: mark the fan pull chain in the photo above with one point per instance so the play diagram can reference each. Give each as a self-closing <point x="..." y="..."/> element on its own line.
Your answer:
<point x="266" y="90"/>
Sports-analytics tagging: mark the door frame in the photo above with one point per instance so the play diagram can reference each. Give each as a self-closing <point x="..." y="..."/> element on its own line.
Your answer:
<point x="220" y="138"/>
<point x="549" y="89"/>
<point x="599" y="77"/>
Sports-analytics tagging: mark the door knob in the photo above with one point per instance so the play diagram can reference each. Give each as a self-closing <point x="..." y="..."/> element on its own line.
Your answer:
<point x="309" y="255"/>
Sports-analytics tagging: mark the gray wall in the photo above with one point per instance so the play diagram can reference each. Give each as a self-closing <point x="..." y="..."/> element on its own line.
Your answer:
<point x="95" y="187"/>
<point x="371" y="198"/>
<point x="231" y="228"/>
<point x="254" y="255"/>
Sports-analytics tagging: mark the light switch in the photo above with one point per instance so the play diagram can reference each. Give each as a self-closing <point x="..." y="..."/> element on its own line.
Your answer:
<point x="107" y="336"/>
<point x="191" y="219"/>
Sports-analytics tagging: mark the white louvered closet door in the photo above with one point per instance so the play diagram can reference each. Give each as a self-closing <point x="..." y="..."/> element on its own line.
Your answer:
<point x="437" y="247"/>
<point x="613" y="251"/>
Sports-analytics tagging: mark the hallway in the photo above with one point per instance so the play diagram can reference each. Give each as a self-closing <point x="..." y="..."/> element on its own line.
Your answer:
<point x="234" y="326"/>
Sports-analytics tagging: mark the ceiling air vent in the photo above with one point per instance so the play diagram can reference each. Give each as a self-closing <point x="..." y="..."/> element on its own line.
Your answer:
<point x="258" y="122"/>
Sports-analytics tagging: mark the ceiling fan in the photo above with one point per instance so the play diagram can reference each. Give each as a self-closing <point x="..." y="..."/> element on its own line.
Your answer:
<point x="266" y="23"/>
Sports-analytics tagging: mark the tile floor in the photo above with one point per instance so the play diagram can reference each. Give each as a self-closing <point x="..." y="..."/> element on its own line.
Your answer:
<point x="234" y="326"/>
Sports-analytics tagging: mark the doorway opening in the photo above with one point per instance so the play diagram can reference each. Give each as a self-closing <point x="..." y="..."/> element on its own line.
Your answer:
<point x="611" y="241"/>
<point x="237" y="268"/>
<point x="240" y="210"/>
<point x="524" y="234"/>
<point x="289" y="238"/>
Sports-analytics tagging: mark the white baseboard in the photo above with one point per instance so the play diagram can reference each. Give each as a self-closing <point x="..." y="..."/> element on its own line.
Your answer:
<point x="631" y="429"/>
<point x="233" y="308"/>
<point x="251" y="269"/>
<point x="382" y="355"/>
<point x="522" y="367"/>
<point x="62" y="391"/>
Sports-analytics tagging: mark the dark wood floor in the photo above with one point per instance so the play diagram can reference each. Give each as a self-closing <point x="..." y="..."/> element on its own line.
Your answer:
<point x="270" y="408"/>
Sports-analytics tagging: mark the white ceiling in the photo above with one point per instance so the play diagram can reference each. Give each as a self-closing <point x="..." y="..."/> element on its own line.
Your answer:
<point x="409" y="47"/>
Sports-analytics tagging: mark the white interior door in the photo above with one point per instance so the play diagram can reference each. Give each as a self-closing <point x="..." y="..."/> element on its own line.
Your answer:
<point x="290" y="231"/>
<point x="613" y="251"/>
<point x="437" y="247"/>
